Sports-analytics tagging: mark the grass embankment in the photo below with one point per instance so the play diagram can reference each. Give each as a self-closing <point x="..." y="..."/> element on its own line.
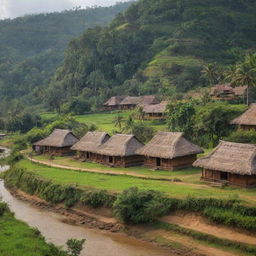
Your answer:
<point x="19" y="239"/>
<point x="119" y="183"/>
<point x="104" y="121"/>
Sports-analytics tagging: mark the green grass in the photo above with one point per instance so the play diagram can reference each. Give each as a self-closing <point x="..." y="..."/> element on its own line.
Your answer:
<point x="119" y="183"/>
<point x="17" y="239"/>
<point x="104" y="121"/>
<point x="70" y="162"/>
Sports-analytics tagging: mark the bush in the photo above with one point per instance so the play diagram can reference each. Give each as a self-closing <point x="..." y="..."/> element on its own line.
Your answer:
<point x="139" y="206"/>
<point x="97" y="199"/>
<point x="231" y="218"/>
<point x="3" y="208"/>
<point x="241" y="136"/>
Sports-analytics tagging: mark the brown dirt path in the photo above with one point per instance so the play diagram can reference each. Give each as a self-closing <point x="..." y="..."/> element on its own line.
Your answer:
<point x="196" y="222"/>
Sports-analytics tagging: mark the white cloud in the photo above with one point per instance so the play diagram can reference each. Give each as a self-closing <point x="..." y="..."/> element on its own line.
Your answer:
<point x="15" y="8"/>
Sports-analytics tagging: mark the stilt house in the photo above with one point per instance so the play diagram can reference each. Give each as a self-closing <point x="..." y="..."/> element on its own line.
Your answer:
<point x="169" y="151"/>
<point x="87" y="146"/>
<point x="247" y="120"/>
<point x="120" y="150"/>
<point x="114" y="103"/>
<point x="59" y="142"/>
<point x="230" y="163"/>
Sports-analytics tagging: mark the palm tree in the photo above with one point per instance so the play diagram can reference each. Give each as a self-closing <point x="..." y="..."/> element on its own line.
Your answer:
<point x="118" y="122"/>
<point x="211" y="73"/>
<point x="129" y="124"/>
<point x="245" y="73"/>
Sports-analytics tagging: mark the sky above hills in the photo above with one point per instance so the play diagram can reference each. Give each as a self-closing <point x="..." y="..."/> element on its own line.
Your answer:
<point x="16" y="8"/>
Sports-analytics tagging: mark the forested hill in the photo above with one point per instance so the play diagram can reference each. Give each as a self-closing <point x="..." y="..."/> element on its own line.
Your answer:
<point x="153" y="45"/>
<point x="31" y="47"/>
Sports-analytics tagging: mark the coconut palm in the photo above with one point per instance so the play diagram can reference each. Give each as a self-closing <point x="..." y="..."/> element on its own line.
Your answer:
<point x="118" y="122"/>
<point x="245" y="73"/>
<point x="211" y="73"/>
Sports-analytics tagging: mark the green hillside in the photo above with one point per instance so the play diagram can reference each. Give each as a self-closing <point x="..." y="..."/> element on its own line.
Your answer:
<point x="153" y="45"/>
<point x="31" y="47"/>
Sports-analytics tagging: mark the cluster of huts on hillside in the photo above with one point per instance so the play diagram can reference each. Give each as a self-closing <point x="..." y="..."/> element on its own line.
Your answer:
<point x="232" y="163"/>
<point x="228" y="92"/>
<point x="152" y="107"/>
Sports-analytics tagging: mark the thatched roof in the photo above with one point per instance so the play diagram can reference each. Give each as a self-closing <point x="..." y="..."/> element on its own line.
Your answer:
<point x="114" y="101"/>
<point x="129" y="100"/>
<point x="149" y="100"/>
<point x="141" y="100"/>
<point x="169" y="145"/>
<point x="240" y="90"/>
<point x="155" y="109"/>
<point x="58" y="138"/>
<point x="91" y="141"/>
<point x="247" y="118"/>
<point x="231" y="157"/>
<point x="120" y="145"/>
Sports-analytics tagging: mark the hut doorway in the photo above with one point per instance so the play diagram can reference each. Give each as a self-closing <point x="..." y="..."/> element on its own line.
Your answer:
<point x="87" y="155"/>
<point x="224" y="176"/>
<point x="158" y="162"/>
<point x="110" y="159"/>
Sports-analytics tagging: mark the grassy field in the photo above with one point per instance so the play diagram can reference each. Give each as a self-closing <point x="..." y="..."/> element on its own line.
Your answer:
<point x="104" y="121"/>
<point x="17" y="239"/>
<point x="121" y="182"/>
<point x="71" y="162"/>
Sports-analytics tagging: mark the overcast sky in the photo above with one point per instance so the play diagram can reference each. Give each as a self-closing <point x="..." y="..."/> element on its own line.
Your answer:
<point x="15" y="8"/>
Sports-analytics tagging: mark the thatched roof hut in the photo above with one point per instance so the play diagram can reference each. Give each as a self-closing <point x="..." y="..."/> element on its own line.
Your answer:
<point x="240" y="90"/>
<point x="130" y="100"/>
<point x="248" y="118"/>
<point x="236" y="158"/>
<point x="114" y="101"/>
<point x="120" y="145"/>
<point x="91" y="141"/>
<point x="169" y="145"/>
<point x="59" y="138"/>
<point x="155" y="109"/>
<point x="148" y="100"/>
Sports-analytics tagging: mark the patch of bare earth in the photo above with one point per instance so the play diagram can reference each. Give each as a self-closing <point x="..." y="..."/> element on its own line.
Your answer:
<point x="196" y="222"/>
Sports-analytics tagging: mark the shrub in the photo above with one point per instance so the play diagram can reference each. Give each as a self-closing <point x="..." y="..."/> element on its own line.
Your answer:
<point x="97" y="199"/>
<point x="139" y="206"/>
<point x="241" y="136"/>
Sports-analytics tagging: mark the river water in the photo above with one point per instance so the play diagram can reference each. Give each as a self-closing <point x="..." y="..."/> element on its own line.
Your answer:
<point x="55" y="230"/>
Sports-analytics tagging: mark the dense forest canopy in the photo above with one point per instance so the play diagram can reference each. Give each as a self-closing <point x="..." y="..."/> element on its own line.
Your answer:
<point x="31" y="48"/>
<point x="152" y="46"/>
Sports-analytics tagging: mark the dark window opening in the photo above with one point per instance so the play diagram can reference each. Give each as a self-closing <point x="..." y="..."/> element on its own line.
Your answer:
<point x="110" y="159"/>
<point x="224" y="176"/>
<point x="158" y="162"/>
<point x="87" y="155"/>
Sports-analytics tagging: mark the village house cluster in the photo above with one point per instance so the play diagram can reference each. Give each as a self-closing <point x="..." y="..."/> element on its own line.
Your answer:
<point x="230" y="163"/>
<point x="152" y="107"/>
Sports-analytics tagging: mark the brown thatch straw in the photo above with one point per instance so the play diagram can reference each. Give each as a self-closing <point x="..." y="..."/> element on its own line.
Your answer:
<point x="58" y="138"/>
<point x="120" y="145"/>
<point x="91" y="141"/>
<point x="155" y="109"/>
<point x="169" y="145"/>
<point x="230" y="157"/>
<point x="114" y="101"/>
<point x="247" y="118"/>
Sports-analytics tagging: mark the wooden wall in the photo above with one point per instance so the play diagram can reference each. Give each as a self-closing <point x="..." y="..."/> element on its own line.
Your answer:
<point x="154" y="116"/>
<point x="55" y="151"/>
<point x="118" y="161"/>
<point x="170" y="164"/>
<point x="232" y="179"/>
<point x="247" y="127"/>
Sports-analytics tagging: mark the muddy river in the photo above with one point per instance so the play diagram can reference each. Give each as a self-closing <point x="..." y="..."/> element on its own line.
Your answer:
<point x="55" y="230"/>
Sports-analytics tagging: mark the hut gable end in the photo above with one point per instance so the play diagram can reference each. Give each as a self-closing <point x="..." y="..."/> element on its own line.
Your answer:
<point x="91" y="141"/>
<point x="58" y="138"/>
<point x="247" y="118"/>
<point x="230" y="157"/>
<point x="120" y="145"/>
<point x="169" y="145"/>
